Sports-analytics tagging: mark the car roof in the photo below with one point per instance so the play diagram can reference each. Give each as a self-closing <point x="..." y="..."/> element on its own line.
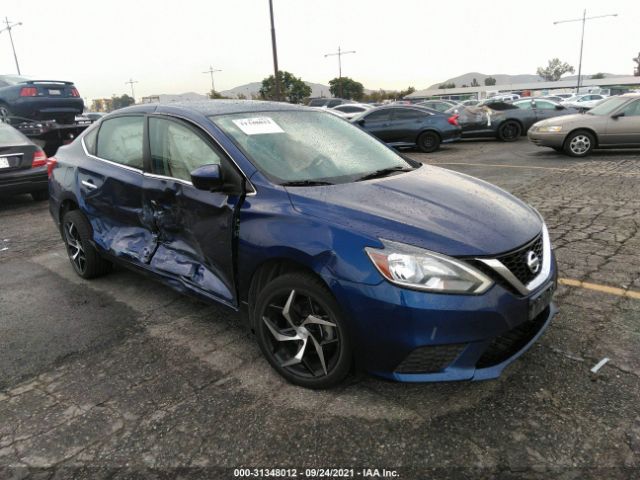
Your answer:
<point x="215" y="107"/>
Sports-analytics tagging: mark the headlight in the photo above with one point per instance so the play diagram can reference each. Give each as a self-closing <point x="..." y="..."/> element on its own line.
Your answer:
<point x="550" y="128"/>
<point x="413" y="267"/>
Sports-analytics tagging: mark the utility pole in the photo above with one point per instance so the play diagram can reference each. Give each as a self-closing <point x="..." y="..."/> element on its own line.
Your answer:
<point x="339" y="54"/>
<point x="275" y="53"/>
<point x="583" y="20"/>
<point x="131" y="82"/>
<point x="211" y="71"/>
<point x="9" y="26"/>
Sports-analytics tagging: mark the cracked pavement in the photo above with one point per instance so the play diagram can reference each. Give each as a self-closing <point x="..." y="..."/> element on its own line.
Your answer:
<point x="121" y="377"/>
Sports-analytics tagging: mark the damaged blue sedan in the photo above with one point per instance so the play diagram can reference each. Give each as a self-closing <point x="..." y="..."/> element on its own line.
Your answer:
<point x="338" y="251"/>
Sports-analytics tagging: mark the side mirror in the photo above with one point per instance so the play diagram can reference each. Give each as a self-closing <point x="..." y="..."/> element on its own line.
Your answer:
<point x="207" y="177"/>
<point x="560" y="107"/>
<point x="361" y="122"/>
<point x="615" y="116"/>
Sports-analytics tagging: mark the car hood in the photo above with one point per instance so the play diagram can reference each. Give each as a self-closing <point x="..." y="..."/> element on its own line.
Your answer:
<point x="431" y="207"/>
<point x="564" y="119"/>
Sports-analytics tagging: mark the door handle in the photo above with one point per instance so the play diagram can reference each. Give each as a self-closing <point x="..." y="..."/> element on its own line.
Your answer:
<point x="90" y="185"/>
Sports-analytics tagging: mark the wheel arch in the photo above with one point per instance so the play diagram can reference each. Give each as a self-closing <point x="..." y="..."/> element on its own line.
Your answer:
<point x="270" y="269"/>
<point x="582" y="129"/>
<point x="428" y="130"/>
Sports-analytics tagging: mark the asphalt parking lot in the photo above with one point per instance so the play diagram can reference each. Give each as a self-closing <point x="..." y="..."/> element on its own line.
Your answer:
<point x="121" y="375"/>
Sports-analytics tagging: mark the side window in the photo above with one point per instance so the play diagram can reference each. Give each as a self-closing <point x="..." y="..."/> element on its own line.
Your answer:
<point x="632" y="110"/>
<point x="526" y="105"/>
<point x="177" y="150"/>
<point x="542" y="105"/>
<point x="120" y="140"/>
<point x="349" y="109"/>
<point x="408" y="114"/>
<point x="90" y="141"/>
<point x="379" y="116"/>
<point x="334" y="103"/>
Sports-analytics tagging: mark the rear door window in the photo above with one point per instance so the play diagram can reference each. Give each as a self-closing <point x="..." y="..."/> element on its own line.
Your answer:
<point x="379" y="116"/>
<point x="120" y="140"/>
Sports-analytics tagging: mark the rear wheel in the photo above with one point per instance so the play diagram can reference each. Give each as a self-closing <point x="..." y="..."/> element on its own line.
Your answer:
<point x="76" y="232"/>
<point x="40" y="195"/>
<point x="509" y="131"/>
<point x="301" y="331"/>
<point x="5" y="113"/>
<point x="579" y="144"/>
<point x="428" y="142"/>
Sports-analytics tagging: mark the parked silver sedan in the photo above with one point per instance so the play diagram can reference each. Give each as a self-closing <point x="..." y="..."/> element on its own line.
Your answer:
<point x="613" y="123"/>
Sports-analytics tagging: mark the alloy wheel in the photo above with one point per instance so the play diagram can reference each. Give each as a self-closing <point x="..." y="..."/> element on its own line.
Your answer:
<point x="304" y="339"/>
<point x="580" y="144"/>
<point x="74" y="247"/>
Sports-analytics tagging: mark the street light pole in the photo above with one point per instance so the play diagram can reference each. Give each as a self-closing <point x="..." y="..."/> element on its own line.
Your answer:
<point x="131" y="82"/>
<point x="212" y="71"/>
<point x="275" y="53"/>
<point x="583" y="20"/>
<point x="8" y="28"/>
<point x="339" y="54"/>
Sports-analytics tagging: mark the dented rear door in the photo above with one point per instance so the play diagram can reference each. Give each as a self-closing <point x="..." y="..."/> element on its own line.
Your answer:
<point x="110" y="183"/>
<point x="194" y="228"/>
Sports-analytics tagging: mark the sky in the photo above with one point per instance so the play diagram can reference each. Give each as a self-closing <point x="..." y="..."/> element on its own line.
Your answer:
<point x="166" y="45"/>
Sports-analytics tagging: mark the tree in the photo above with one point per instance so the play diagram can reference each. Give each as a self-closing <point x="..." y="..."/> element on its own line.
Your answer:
<point x="555" y="69"/>
<point x="489" y="81"/>
<point x="404" y="93"/>
<point x="346" y="87"/>
<point x="121" y="101"/>
<point x="597" y="76"/>
<point x="215" y="95"/>
<point x="447" y="85"/>
<point x="292" y="88"/>
<point x="474" y="83"/>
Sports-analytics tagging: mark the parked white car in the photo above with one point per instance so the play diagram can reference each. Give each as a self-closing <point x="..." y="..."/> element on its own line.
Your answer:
<point x="584" y="101"/>
<point x="350" y="110"/>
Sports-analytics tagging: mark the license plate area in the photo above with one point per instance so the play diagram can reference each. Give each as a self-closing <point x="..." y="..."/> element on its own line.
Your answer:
<point x="541" y="301"/>
<point x="55" y="92"/>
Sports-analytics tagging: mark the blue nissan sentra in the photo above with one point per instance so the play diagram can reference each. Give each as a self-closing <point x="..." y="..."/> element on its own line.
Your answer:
<point x="338" y="251"/>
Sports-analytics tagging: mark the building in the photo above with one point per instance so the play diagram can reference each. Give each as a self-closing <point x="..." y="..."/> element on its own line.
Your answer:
<point x="615" y="85"/>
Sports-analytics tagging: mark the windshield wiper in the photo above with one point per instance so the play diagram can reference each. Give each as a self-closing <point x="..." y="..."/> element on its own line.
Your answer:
<point x="305" y="183"/>
<point x="383" y="172"/>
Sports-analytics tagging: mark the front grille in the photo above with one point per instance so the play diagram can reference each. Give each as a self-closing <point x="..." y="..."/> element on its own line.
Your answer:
<point x="430" y="359"/>
<point x="516" y="261"/>
<point x="510" y="343"/>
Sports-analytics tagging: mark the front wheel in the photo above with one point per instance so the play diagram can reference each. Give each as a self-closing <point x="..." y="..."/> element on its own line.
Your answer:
<point x="509" y="131"/>
<point x="428" y="142"/>
<point x="85" y="259"/>
<point x="579" y="144"/>
<point x="301" y="331"/>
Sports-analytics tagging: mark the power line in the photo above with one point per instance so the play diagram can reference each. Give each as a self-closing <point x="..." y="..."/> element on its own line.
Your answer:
<point x="211" y="71"/>
<point x="133" y="94"/>
<point x="339" y="54"/>
<point x="583" y="20"/>
<point x="8" y="28"/>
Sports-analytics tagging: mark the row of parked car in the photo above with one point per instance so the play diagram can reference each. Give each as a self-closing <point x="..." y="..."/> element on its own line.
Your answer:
<point x="608" y="122"/>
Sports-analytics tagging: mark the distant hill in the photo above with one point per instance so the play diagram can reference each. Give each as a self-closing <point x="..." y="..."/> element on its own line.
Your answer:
<point x="317" y="90"/>
<point x="504" y="79"/>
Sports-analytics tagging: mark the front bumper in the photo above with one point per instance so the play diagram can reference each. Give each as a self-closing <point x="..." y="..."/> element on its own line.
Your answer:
<point x="23" y="181"/>
<point x="413" y="336"/>
<point x="547" y="139"/>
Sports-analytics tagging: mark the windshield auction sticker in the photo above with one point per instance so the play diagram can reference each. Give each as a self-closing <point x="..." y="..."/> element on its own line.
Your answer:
<point x="258" y="125"/>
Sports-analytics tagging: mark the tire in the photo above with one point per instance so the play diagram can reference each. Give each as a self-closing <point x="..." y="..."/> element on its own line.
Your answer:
<point x="579" y="144"/>
<point x="314" y="314"/>
<point x="428" y="142"/>
<point x="85" y="259"/>
<point x="509" y="131"/>
<point x="40" y="195"/>
<point x="5" y="112"/>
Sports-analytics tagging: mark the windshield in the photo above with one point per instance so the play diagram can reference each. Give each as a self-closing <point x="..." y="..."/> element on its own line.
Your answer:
<point x="607" y="106"/>
<point x="307" y="146"/>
